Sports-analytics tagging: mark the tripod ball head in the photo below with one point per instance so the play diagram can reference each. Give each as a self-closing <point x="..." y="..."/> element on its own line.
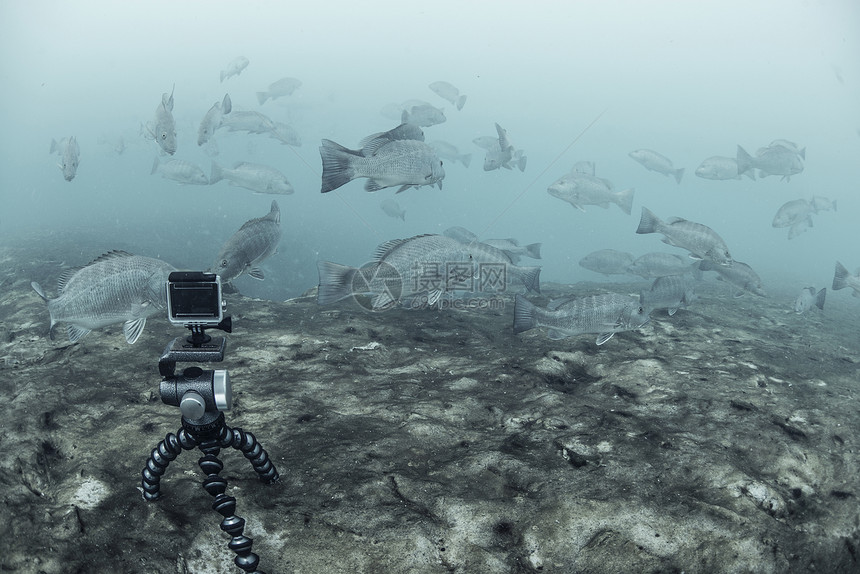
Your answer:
<point x="197" y="391"/>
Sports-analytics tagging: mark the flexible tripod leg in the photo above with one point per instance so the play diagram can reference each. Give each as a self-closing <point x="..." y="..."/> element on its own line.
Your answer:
<point x="166" y="451"/>
<point x="225" y="505"/>
<point x="210" y="438"/>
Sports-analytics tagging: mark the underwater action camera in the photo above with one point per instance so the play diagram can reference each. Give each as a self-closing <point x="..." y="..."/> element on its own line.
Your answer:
<point x="194" y="299"/>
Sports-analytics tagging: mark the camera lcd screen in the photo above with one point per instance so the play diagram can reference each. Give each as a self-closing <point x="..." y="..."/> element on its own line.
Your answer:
<point x="194" y="301"/>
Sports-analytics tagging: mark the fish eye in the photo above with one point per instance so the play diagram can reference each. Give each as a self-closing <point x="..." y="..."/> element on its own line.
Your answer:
<point x="223" y="263"/>
<point x="164" y="136"/>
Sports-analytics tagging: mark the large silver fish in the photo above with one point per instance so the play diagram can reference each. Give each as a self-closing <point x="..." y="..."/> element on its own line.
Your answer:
<point x="739" y="274"/>
<point x="212" y="119"/>
<point x="115" y="288"/>
<point x="656" y="264"/>
<point x="251" y="122"/>
<point x="69" y="152"/>
<point x="180" y="170"/>
<point x="671" y="292"/>
<point x="405" y="163"/>
<point x="256" y="240"/>
<point x="579" y="189"/>
<point x="776" y="159"/>
<point x="797" y="214"/>
<point x="423" y="266"/>
<point x="449" y="92"/>
<point x="163" y="129"/>
<point x="501" y="153"/>
<point x="654" y="161"/>
<point x="282" y="87"/>
<point x="393" y="209"/>
<point x="721" y="168"/>
<point x="423" y="115"/>
<point x="253" y="176"/>
<point x="234" y="68"/>
<point x="700" y="240"/>
<point x="808" y="298"/>
<point x="607" y="261"/>
<point x="604" y="314"/>
<point x="448" y="151"/>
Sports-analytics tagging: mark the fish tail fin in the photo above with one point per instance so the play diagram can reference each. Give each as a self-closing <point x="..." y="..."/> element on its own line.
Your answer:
<point x="154" y="166"/>
<point x="524" y="314"/>
<point x="624" y="199"/>
<point x="337" y="166"/>
<point x="802" y="153"/>
<point x="216" y="174"/>
<point x="262" y="97"/>
<point x="226" y="105"/>
<point x="649" y="223"/>
<point x="819" y="298"/>
<point x="461" y="101"/>
<point x="222" y="75"/>
<point x="679" y="173"/>
<point x="55" y="147"/>
<point x="38" y="289"/>
<point x="840" y="277"/>
<point x="533" y="250"/>
<point x="744" y="160"/>
<point x="521" y="163"/>
<point x="466" y="159"/>
<point x="335" y="282"/>
<point x="531" y="278"/>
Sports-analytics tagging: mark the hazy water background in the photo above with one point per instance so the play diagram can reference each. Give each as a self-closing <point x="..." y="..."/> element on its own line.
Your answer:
<point x="687" y="79"/>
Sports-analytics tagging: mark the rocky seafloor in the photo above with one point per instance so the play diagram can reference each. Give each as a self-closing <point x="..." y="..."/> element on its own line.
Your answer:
<point x="721" y="439"/>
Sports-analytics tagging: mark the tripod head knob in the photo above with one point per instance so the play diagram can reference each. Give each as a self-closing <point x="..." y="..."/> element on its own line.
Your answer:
<point x="192" y="405"/>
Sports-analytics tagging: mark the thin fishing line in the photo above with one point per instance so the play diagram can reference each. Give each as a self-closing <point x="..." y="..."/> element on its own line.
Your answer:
<point x="540" y="175"/>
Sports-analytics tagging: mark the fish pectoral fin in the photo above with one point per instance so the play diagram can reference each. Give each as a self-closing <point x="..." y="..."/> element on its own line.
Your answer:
<point x="372" y="185"/>
<point x="672" y="311"/>
<point x="383" y="300"/>
<point x="555" y="334"/>
<point x="604" y="337"/>
<point x="695" y="257"/>
<point x="75" y="333"/>
<point x="132" y="329"/>
<point x="256" y="273"/>
<point x="433" y="297"/>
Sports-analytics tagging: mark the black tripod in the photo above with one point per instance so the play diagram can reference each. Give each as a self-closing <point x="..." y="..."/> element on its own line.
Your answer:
<point x="202" y="395"/>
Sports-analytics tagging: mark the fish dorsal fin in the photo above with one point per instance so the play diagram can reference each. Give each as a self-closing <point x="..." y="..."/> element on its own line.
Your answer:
<point x="64" y="278"/>
<point x="504" y="144"/>
<point x="384" y="249"/>
<point x="115" y="254"/>
<point x="373" y="143"/>
<point x="132" y="329"/>
<point x="75" y="333"/>
<point x="275" y="213"/>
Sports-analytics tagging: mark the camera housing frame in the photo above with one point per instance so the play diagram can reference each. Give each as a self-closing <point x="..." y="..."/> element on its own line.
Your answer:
<point x="194" y="299"/>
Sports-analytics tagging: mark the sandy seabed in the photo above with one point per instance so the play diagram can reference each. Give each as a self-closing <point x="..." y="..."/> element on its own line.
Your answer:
<point x="721" y="439"/>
